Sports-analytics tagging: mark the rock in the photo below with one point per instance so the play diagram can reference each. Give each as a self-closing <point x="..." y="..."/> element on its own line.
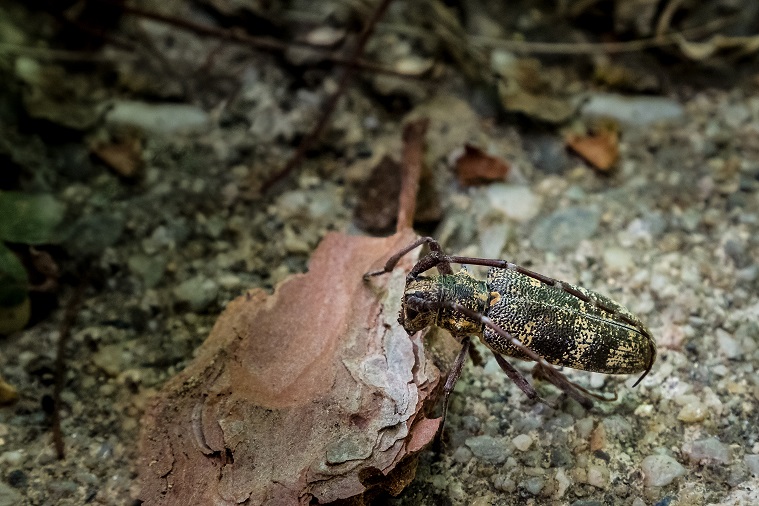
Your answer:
<point x="660" y="470"/>
<point x="114" y="358"/>
<point x="618" y="259"/>
<point x="637" y="111"/>
<point x="728" y="345"/>
<point x="488" y="448"/>
<point x="516" y="202"/>
<point x="199" y="292"/>
<point x="493" y="238"/>
<point x="503" y="483"/>
<point x="565" y="229"/>
<point x="709" y="450"/>
<point x="598" y="476"/>
<point x="522" y="442"/>
<point x="693" y="412"/>
<point x="462" y="455"/>
<point x="147" y="267"/>
<point x="9" y="496"/>
<point x="752" y="462"/>
<point x="90" y="235"/>
<point x="547" y="153"/>
<point x="533" y="485"/>
<point x="158" y="118"/>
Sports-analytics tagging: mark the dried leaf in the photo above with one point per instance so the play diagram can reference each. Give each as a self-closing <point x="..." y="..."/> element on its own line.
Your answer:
<point x="476" y="167"/>
<point x="310" y="395"/>
<point x="601" y="149"/>
<point x="123" y="156"/>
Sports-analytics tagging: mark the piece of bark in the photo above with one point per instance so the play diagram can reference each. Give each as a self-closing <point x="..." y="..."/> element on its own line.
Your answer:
<point x="305" y="396"/>
<point x="377" y="206"/>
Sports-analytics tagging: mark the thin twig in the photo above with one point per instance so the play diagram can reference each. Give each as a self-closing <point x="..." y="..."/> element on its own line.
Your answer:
<point x="413" y="158"/>
<point x="45" y="53"/>
<point x="563" y="48"/>
<point x="72" y="309"/>
<point x="329" y="107"/>
<point x="261" y="43"/>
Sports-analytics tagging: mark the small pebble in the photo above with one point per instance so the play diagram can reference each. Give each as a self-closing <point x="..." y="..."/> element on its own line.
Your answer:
<point x="522" y="442"/>
<point x="562" y="483"/>
<point x="660" y="470"/>
<point x="462" y="455"/>
<point x="199" y="292"/>
<point x="565" y="229"/>
<point x="752" y="462"/>
<point x="618" y="259"/>
<point x="439" y="482"/>
<point x="9" y="496"/>
<point x="156" y="118"/>
<point x="504" y="483"/>
<point x="728" y="345"/>
<point x="517" y="203"/>
<point x="12" y="458"/>
<point x="633" y="110"/>
<point x="693" y="412"/>
<point x="533" y="485"/>
<point x="488" y="448"/>
<point x="598" y="476"/>
<point x="709" y="450"/>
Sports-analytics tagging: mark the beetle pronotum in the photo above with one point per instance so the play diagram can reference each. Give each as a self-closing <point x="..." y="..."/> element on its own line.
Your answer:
<point x="525" y="315"/>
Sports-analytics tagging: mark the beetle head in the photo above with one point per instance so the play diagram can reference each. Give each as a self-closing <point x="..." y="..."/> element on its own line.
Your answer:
<point x="420" y="304"/>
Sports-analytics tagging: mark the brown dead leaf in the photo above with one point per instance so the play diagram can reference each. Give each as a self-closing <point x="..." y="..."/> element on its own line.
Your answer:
<point x="476" y="167"/>
<point x="123" y="156"/>
<point x="601" y="149"/>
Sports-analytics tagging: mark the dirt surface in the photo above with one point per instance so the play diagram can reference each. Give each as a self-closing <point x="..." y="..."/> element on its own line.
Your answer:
<point x="159" y="150"/>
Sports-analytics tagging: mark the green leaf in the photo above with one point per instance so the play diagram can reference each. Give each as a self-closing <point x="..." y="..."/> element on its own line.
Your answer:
<point x="13" y="279"/>
<point x="29" y="219"/>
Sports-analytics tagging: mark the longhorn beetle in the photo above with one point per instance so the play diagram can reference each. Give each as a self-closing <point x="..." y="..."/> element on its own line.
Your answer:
<point x="525" y="315"/>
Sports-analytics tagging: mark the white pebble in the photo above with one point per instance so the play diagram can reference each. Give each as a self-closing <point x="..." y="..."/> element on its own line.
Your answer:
<point x="693" y="412"/>
<point x="598" y="476"/>
<point x="660" y="470"/>
<point x="752" y="462"/>
<point x="728" y="345"/>
<point x="522" y="442"/>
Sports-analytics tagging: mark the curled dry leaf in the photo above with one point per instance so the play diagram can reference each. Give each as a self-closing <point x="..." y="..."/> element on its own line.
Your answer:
<point x="310" y="395"/>
<point x="477" y="167"/>
<point x="601" y="149"/>
<point x="123" y="156"/>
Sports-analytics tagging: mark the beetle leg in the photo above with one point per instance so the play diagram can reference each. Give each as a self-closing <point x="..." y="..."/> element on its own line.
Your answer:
<point x="519" y="380"/>
<point x="435" y="259"/>
<point x="453" y="377"/>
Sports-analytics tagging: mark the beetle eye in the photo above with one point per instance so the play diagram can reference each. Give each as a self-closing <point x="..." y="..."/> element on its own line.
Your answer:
<point x="411" y="313"/>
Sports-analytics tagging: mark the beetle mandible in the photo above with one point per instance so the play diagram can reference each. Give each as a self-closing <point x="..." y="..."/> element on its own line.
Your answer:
<point x="522" y="314"/>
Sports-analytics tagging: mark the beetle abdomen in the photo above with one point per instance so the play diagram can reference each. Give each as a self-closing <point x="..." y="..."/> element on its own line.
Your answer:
<point x="563" y="328"/>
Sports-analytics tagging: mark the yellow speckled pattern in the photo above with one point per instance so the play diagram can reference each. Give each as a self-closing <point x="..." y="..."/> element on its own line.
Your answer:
<point x="564" y="329"/>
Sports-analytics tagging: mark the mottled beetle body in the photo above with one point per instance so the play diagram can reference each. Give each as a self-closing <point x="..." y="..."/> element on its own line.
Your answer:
<point x="557" y="325"/>
<point x="525" y="315"/>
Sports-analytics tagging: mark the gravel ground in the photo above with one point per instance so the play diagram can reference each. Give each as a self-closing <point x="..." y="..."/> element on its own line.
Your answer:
<point x="672" y="233"/>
